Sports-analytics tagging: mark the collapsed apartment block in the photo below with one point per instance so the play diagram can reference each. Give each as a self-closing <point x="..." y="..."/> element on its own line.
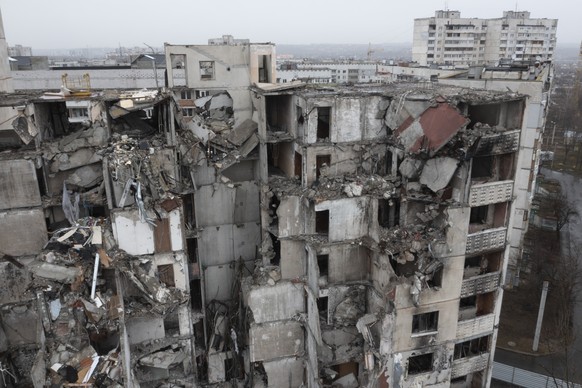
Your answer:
<point x="228" y="231"/>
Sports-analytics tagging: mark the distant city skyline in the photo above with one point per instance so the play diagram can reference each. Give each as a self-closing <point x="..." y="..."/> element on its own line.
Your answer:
<point x="73" y="24"/>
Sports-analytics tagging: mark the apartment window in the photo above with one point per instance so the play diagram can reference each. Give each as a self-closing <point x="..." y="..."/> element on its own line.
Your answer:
<point x="78" y="112"/>
<point x="188" y="112"/>
<point x="420" y="364"/>
<point x="186" y="95"/>
<point x="322" y="307"/>
<point x="471" y="348"/>
<point x="206" y="70"/>
<point x="426" y="323"/>
<point x="202" y="93"/>
<point x="320" y="161"/>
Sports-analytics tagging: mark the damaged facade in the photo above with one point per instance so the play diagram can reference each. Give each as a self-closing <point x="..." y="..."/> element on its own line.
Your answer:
<point x="230" y="231"/>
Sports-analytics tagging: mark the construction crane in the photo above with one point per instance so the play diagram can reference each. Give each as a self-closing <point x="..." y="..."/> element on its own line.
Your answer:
<point x="370" y="51"/>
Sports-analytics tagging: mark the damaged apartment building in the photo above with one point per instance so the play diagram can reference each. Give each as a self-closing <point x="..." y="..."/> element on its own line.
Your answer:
<point x="228" y="231"/>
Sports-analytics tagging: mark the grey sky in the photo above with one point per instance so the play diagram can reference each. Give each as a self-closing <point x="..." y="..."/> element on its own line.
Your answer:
<point x="46" y="24"/>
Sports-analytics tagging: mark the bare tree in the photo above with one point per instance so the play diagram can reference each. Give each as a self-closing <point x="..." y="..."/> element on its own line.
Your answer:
<point x="561" y="208"/>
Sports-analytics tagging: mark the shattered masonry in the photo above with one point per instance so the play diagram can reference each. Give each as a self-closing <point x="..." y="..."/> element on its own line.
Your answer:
<point x="227" y="229"/>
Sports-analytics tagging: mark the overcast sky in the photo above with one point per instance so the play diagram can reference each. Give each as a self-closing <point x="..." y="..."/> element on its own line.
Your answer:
<point x="44" y="24"/>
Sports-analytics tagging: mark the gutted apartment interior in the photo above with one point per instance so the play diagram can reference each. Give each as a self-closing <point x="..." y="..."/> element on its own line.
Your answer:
<point x="226" y="230"/>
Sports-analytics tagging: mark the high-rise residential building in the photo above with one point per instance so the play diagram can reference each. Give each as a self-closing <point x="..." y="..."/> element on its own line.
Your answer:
<point x="230" y="229"/>
<point x="448" y="39"/>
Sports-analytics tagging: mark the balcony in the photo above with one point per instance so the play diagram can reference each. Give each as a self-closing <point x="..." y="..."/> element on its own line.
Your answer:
<point x="464" y="366"/>
<point x="492" y="192"/>
<point x="475" y="327"/>
<point x="480" y="284"/>
<point x="502" y="143"/>
<point x="486" y="240"/>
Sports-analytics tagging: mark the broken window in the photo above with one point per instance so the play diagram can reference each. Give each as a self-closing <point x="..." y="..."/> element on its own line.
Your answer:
<point x="482" y="167"/>
<point x="323" y="264"/>
<point x="179" y="69"/>
<point x="206" y="70"/>
<point x="322" y="222"/>
<point x="196" y="294"/>
<point x="436" y="280"/>
<point x="192" y="246"/>
<point x="388" y="213"/>
<point x="322" y="307"/>
<point x="472" y="347"/>
<point x="323" y="123"/>
<point x="321" y="162"/>
<point x="479" y="214"/>
<point x="264" y="68"/>
<point x="298" y="164"/>
<point x="187" y="112"/>
<point x="420" y="364"/>
<point x="166" y="275"/>
<point x="425" y="323"/>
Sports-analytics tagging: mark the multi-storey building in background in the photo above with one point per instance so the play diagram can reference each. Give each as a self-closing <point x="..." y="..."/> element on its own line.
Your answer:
<point x="447" y="39"/>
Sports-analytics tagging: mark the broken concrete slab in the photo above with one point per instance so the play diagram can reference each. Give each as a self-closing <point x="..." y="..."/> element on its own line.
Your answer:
<point x="79" y="158"/>
<point x="242" y="132"/>
<point x="22" y="232"/>
<point x="287" y="372"/>
<point x="86" y="176"/>
<point x="432" y="129"/>
<point x="18" y="184"/>
<point x="54" y="272"/>
<point x="437" y="172"/>
<point x="410" y="168"/>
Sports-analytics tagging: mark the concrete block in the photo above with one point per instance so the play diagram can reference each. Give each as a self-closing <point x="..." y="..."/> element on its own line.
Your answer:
<point x="142" y="329"/>
<point x="274" y="340"/>
<point x="437" y="172"/>
<point x="22" y="232"/>
<point x="132" y="235"/>
<point x="284" y="373"/>
<point x="18" y="184"/>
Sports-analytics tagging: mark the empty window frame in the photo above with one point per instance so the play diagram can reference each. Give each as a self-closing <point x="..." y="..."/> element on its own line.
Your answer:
<point x="320" y="161"/>
<point x="426" y="323"/>
<point x="322" y="222"/>
<point x="206" y="70"/>
<point x="472" y="347"/>
<point x="187" y="112"/>
<point x="323" y="123"/>
<point x="323" y="264"/>
<point x="166" y="275"/>
<point x="420" y="364"/>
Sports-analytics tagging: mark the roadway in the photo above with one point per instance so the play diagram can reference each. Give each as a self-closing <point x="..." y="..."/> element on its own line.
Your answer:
<point x="571" y="241"/>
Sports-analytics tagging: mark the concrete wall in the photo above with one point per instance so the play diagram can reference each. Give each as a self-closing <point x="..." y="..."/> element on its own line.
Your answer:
<point x="279" y="302"/>
<point x="274" y="340"/>
<point x="346" y="211"/>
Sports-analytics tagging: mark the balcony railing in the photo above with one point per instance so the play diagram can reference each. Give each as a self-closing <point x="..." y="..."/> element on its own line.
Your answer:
<point x="486" y="240"/>
<point x="466" y="365"/>
<point x="476" y="326"/>
<point x="502" y="143"/>
<point x="480" y="284"/>
<point x="491" y="192"/>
